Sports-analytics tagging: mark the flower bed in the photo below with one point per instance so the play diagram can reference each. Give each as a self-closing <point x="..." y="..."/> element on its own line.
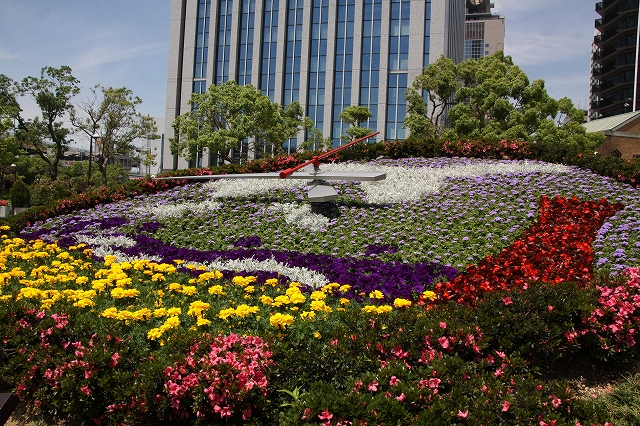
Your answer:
<point x="155" y="309"/>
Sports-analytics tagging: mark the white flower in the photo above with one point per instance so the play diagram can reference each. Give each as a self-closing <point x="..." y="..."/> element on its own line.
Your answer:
<point x="300" y="216"/>
<point x="302" y="275"/>
<point x="163" y="211"/>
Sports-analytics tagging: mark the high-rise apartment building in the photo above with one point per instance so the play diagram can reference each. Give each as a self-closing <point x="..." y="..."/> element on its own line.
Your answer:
<point x="484" y="31"/>
<point x="614" y="65"/>
<point x="325" y="54"/>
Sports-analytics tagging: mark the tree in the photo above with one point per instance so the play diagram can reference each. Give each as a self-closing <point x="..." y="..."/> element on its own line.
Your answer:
<point x="9" y="112"/>
<point x="492" y="99"/>
<point x="112" y="114"/>
<point x="354" y="115"/>
<point x="227" y="114"/>
<point x="439" y="82"/>
<point x="47" y="136"/>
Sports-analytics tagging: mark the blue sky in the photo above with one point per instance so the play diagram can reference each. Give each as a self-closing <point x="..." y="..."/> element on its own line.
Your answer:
<point x="125" y="42"/>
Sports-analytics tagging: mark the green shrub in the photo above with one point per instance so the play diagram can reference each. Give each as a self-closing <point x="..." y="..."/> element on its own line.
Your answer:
<point x="46" y="191"/>
<point x="20" y="194"/>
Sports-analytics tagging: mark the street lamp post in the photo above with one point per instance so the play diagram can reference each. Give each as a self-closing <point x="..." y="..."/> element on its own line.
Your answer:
<point x="94" y="136"/>
<point x="15" y="173"/>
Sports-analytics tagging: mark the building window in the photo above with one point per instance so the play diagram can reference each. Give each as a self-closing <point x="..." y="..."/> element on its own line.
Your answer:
<point x="427" y="32"/>
<point x="318" y="62"/>
<point x="225" y="17"/>
<point x="269" y="48"/>
<point x="293" y="57"/>
<point x="616" y="153"/>
<point x="202" y="46"/>
<point x="344" y="64"/>
<point x="370" y="74"/>
<point x="245" y="54"/>
<point x="399" y="35"/>
<point x="396" y="106"/>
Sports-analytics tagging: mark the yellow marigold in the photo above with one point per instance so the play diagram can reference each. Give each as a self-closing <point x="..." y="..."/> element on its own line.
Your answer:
<point x="297" y="298"/>
<point x="271" y="282"/>
<point x="158" y="277"/>
<point x="196" y="308"/>
<point x="99" y="285"/>
<point x="174" y="311"/>
<point x="384" y="309"/>
<point x="293" y="290"/>
<point x="5" y="228"/>
<point x="47" y="303"/>
<point x="202" y="321"/>
<point x="166" y="268"/>
<point x="344" y="301"/>
<point x="318" y="295"/>
<point x="331" y="287"/>
<point x="205" y="276"/>
<point x="317" y="335"/>
<point x="6" y="298"/>
<point x="29" y="293"/>
<point x="154" y="334"/>
<point x="82" y="280"/>
<point x="123" y="282"/>
<point x="120" y="293"/>
<point x="172" y="322"/>
<point x="189" y="290"/>
<point x="217" y="289"/>
<point x="279" y="320"/>
<point x="178" y="261"/>
<point x="177" y="287"/>
<point x="226" y="313"/>
<point x="307" y="315"/>
<point x="110" y="313"/>
<point x="267" y="300"/>
<point x="429" y="295"/>
<point x="281" y="300"/>
<point x="160" y="312"/>
<point x="243" y="281"/>
<point x="125" y="315"/>
<point x="243" y="311"/>
<point x="370" y="309"/>
<point x="249" y="289"/>
<point x="109" y="259"/>
<point x="317" y="305"/>
<point x="401" y="303"/>
<point x="376" y="294"/>
<point x="160" y="293"/>
<point x="142" y="314"/>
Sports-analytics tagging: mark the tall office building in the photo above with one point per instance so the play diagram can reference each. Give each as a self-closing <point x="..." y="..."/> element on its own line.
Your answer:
<point x="614" y="65"/>
<point x="325" y="54"/>
<point x="484" y="31"/>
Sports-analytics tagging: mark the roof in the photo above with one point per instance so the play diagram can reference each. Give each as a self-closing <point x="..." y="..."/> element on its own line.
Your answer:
<point x="610" y="123"/>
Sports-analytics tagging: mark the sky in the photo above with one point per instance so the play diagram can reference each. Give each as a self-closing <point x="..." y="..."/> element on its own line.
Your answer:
<point x="125" y="43"/>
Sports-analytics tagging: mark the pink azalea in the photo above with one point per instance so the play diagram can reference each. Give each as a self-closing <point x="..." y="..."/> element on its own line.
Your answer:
<point x="325" y="415"/>
<point x="463" y="414"/>
<point x="505" y="406"/>
<point x="394" y="381"/>
<point x="373" y="386"/>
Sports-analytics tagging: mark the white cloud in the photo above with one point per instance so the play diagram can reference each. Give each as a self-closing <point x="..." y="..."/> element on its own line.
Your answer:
<point x="8" y="55"/>
<point x="537" y="48"/>
<point x="112" y="53"/>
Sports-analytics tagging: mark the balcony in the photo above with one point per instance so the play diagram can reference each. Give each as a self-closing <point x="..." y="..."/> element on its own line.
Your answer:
<point x="598" y="22"/>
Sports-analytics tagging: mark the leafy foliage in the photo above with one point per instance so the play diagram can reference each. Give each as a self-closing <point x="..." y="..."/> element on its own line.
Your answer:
<point x="112" y="113"/>
<point x="227" y="114"/>
<point x="492" y="99"/>
<point x="52" y="92"/>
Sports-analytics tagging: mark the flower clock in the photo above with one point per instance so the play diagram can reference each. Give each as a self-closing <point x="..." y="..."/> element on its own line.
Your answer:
<point x="401" y="302"/>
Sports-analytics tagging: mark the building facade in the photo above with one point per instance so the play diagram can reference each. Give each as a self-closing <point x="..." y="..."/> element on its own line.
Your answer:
<point x="325" y="54"/>
<point x="614" y="65"/>
<point x="484" y="31"/>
